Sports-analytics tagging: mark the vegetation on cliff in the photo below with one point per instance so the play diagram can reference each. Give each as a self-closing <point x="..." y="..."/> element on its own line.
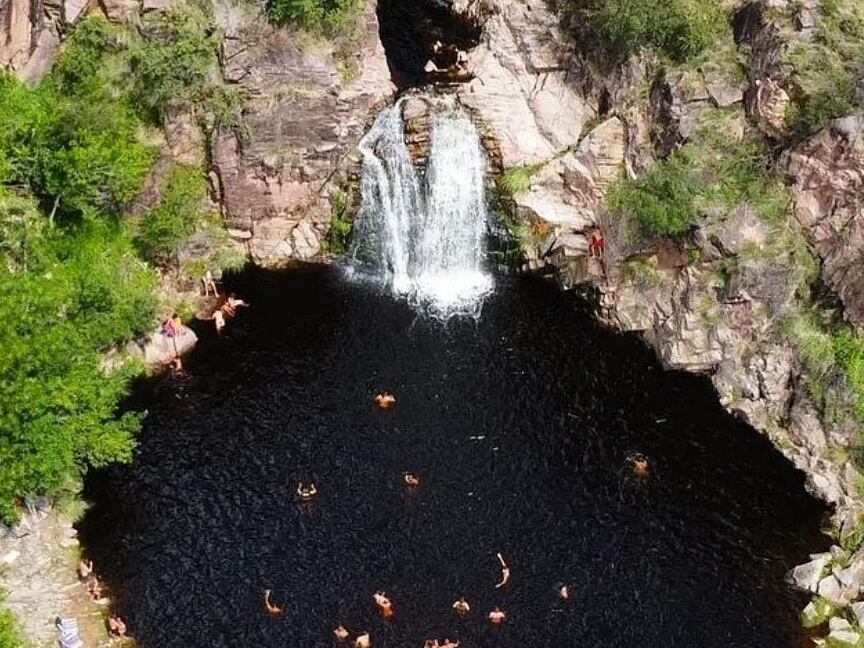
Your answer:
<point x="322" y="16"/>
<point x="74" y="278"/>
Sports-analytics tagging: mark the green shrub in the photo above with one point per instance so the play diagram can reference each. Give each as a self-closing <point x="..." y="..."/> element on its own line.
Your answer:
<point x="167" y="225"/>
<point x="340" y="225"/>
<point x="10" y="633"/>
<point x="825" y="71"/>
<point x="77" y="69"/>
<point x="681" y="29"/>
<point x="77" y="292"/>
<point x="516" y="180"/>
<point x="176" y="62"/>
<point x="315" y="15"/>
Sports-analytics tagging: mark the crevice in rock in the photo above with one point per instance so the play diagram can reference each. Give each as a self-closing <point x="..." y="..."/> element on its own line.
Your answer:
<point x="409" y="31"/>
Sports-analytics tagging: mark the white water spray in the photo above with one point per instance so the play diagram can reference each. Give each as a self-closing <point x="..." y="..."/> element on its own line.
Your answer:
<point x="429" y="244"/>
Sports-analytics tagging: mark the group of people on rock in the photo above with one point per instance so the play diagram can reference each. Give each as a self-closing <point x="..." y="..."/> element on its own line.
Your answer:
<point x="116" y="625"/>
<point x="446" y="60"/>
<point x="307" y="492"/>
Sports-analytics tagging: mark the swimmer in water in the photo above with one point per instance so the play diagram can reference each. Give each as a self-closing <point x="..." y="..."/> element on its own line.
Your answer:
<point x="272" y="609"/>
<point x="640" y="465"/>
<point x="497" y="616"/>
<point x="411" y="481"/>
<point x="306" y="493"/>
<point x="450" y="644"/>
<point x="363" y="641"/>
<point x="505" y="572"/>
<point x="564" y="592"/>
<point x="461" y="607"/>
<point x="384" y="605"/>
<point x="341" y="634"/>
<point x="385" y="400"/>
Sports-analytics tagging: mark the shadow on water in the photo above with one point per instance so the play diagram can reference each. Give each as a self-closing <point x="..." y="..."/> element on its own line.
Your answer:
<point x="518" y="425"/>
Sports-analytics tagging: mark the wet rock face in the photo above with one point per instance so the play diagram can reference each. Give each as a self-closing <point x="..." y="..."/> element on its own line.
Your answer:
<point x="828" y="189"/>
<point x="309" y="107"/>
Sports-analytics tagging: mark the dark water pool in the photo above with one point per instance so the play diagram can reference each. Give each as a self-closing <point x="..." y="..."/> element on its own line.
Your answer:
<point x="519" y="426"/>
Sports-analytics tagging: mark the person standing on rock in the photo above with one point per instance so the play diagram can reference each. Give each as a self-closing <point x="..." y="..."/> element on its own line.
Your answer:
<point x="85" y="569"/>
<point x="208" y="282"/>
<point x="597" y="245"/>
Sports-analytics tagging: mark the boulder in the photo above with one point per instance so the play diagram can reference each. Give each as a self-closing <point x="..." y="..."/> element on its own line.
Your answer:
<point x="723" y="92"/>
<point x="119" y="10"/>
<point x="160" y="350"/>
<point x="838" y="623"/>
<point x="830" y="588"/>
<point x="766" y="103"/>
<point x="858" y="611"/>
<point x="843" y="639"/>
<point x="807" y="576"/>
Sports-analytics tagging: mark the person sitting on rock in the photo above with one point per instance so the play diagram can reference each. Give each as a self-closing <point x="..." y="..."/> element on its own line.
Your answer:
<point x="95" y="589"/>
<point x="497" y="616"/>
<point x="272" y="609"/>
<point x="363" y="641"/>
<point x="505" y="572"/>
<point x="306" y="493"/>
<point x="385" y="400"/>
<point x="341" y="634"/>
<point x="384" y="605"/>
<point x="116" y="627"/>
<point x="461" y="607"/>
<point x="411" y="481"/>
<point x="85" y="569"/>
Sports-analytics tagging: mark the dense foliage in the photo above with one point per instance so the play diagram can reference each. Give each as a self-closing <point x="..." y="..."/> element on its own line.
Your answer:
<point x="825" y="72"/>
<point x="9" y="631"/>
<point x="169" y="223"/>
<point x="712" y="174"/>
<point x="679" y="28"/>
<point x="315" y="15"/>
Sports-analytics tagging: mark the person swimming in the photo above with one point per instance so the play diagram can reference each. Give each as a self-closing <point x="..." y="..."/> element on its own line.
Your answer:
<point x="385" y="606"/>
<point x="306" y="493"/>
<point x="505" y="572"/>
<point x="385" y="400"/>
<point x="641" y="468"/>
<point x="461" y="607"/>
<point x="341" y="634"/>
<point x="272" y="609"/>
<point x="411" y="481"/>
<point x="363" y="641"/>
<point x="497" y="616"/>
<point x="563" y="592"/>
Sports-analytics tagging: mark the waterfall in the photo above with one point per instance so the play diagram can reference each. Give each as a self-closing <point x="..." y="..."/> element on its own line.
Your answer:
<point x="428" y="242"/>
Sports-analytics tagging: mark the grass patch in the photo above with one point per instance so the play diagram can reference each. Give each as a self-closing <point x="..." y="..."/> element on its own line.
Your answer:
<point x="340" y="225"/>
<point x="712" y="174"/>
<point x="517" y="180"/>
<point x="681" y="29"/>
<point x="825" y="71"/>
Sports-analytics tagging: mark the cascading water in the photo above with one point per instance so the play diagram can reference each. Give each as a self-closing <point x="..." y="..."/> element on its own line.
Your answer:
<point x="429" y="244"/>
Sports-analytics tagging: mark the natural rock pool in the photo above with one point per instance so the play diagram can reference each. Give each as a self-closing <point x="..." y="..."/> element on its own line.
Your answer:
<point x="519" y="426"/>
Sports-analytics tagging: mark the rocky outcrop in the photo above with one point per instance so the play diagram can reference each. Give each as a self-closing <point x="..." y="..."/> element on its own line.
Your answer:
<point x="828" y="189"/>
<point x="30" y="35"/>
<point x="309" y="105"/>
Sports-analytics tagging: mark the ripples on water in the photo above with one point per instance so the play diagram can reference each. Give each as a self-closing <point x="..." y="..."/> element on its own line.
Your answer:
<point x="518" y="425"/>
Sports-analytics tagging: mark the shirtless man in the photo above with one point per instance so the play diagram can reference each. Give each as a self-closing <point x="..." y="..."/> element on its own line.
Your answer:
<point x="564" y="592"/>
<point x="640" y="465"/>
<point x="272" y="609"/>
<point x="219" y="320"/>
<point x="341" y="634"/>
<point x="363" y="641"/>
<point x="505" y="572"/>
<point x="306" y="493"/>
<point x="497" y="617"/>
<point x="461" y="607"/>
<point x="384" y="605"/>
<point x="116" y="627"/>
<point x="450" y="644"/>
<point x="385" y="400"/>
<point x="411" y="481"/>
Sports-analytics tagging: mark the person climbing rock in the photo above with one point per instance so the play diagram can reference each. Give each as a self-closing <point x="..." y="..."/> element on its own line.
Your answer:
<point x="597" y="246"/>
<point x="85" y="569"/>
<point x="116" y="627"/>
<point x="306" y="493"/>
<point x="385" y="400"/>
<point x="363" y="641"/>
<point x="505" y="572"/>
<point x="341" y="634"/>
<point x="461" y="607"/>
<point x="411" y="481"/>
<point x="272" y="609"/>
<point x="385" y="606"/>
<point x="497" y="616"/>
